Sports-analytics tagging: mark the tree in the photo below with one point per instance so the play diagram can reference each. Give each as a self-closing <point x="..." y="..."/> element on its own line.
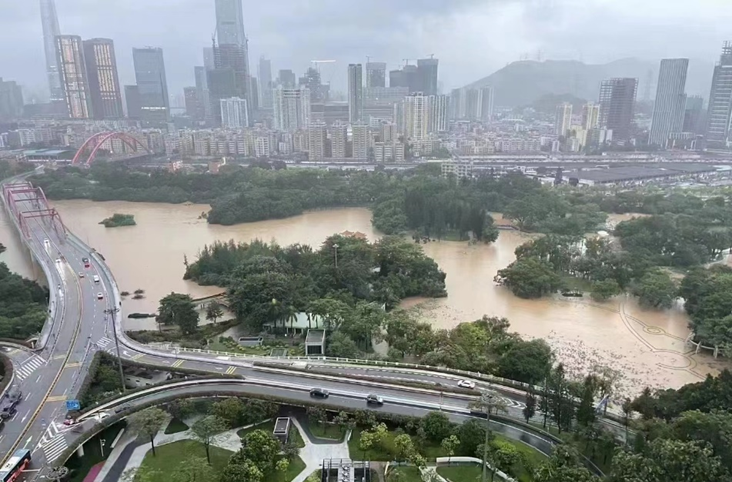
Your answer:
<point x="504" y="456"/>
<point x="343" y="420"/>
<point x="230" y="410"/>
<point x="178" y="309"/>
<point x="147" y="423"/>
<point x="181" y="408"/>
<point x="530" y="278"/>
<point x="449" y="444"/>
<point x="655" y="289"/>
<point x="488" y="403"/>
<point x="191" y="469"/>
<point x="205" y="429"/>
<point x="282" y="465"/>
<point x="605" y="289"/>
<point x="261" y="448"/>
<point x="530" y="409"/>
<point x="525" y="361"/>
<point x="564" y="466"/>
<point x="471" y="434"/>
<point x="403" y="447"/>
<point x="365" y="442"/>
<point x="627" y="408"/>
<point x="586" y="410"/>
<point x="239" y="470"/>
<point x="214" y="311"/>
<point x="436" y="425"/>
<point x="317" y="415"/>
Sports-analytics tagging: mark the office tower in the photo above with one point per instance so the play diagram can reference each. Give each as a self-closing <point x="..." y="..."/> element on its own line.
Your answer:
<point x="693" y="114"/>
<point x="355" y="93"/>
<point x="456" y="96"/>
<point x="590" y="116"/>
<point x="101" y="70"/>
<point x="719" y="112"/>
<point x="408" y="77"/>
<point x="617" y="106"/>
<point x="317" y="136"/>
<point x="338" y="140"/>
<point x="287" y="79"/>
<point x="132" y="99"/>
<point x="74" y="81"/>
<point x="204" y="101"/>
<point x="152" y="85"/>
<point x="255" y="94"/>
<point x="11" y="100"/>
<point x="360" y="140"/>
<point x="427" y="75"/>
<point x="49" y="23"/>
<point x="208" y="58"/>
<point x="416" y="116"/>
<point x="190" y="96"/>
<point x="563" y="119"/>
<point x="437" y="112"/>
<point x="264" y="74"/>
<point x="668" y="110"/>
<point x="375" y="74"/>
<point x="485" y="104"/>
<point x="291" y="108"/>
<point x="234" y="113"/>
<point x="232" y="51"/>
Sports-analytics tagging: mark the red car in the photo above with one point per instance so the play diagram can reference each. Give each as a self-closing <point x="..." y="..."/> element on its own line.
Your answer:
<point x="86" y="262"/>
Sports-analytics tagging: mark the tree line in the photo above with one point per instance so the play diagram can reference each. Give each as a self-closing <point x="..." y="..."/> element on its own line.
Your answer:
<point x="23" y="305"/>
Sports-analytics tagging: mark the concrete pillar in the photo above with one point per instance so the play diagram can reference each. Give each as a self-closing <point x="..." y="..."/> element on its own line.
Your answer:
<point x="80" y="450"/>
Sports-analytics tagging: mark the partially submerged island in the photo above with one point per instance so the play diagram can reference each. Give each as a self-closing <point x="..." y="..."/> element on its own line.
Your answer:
<point x="118" y="220"/>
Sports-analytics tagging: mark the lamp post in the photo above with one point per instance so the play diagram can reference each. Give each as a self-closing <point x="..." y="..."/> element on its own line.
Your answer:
<point x="335" y="254"/>
<point x="113" y="312"/>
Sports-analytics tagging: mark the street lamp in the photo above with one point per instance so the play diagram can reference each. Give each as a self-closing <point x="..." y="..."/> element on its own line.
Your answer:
<point x="101" y="445"/>
<point x="335" y="254"/>
<point x="113" y="312"/>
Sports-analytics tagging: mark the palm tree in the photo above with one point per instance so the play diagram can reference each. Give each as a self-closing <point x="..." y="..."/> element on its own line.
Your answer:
<point x="488" y="402"/>
<point x="291" y="316"/>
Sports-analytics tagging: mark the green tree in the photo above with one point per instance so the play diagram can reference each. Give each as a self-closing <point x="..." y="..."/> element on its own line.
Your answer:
<point x="403" y="447"/>
<point x="239" y="470"/>
<point x="317" y="415"/>
<point x="436" y="425"/>
<point x="192" y="469"/>
<point x="365" y="441"/>
<point x="205" y="429"/>
<point x="214" y="311"/>
<point x="605" y="289"/>
<point x="230" y="410"/>
<point x="178" y="309"/>
<point x="471" y="434"/>
<point x="564" y="466"/>
<point x="282" y="465"/>
<point x="449" y="445"/>
<point x="530" y="278"/>
<point x="504" y="456"/>
<point x="261" y="448"/>
<point x="147" y="423"/>
<point x="530" y="409"/>
<point x="655" y="290"/>
<point x="586" y="409"/>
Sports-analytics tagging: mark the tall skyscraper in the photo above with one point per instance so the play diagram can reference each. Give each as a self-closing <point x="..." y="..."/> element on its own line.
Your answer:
<point x="233" y="45"/>
<point x="563" y="119"/>
<point x="416" y="122"/>
<point x="437" y="113"/>
<point x="152" y="84"/>
<point x="360" y="139"/>
<point x="264" y="74"/>
<point x="485" y="104"/>
<point x="355" y="93"/>
<point x="291" y="108"/>
<point x="668" y="110"/>
<point x="101" y="69"/>
<point x="375" y="74"/>
<point x="132" y="99"/>
<point x="49" y="23"/>
<point x="208" y="58"/>
<point x="190" y="95"/>
<point x="11" y="100"/>
<point x="693" y="114"/>
<point x="427" y="74"/>
<point x="719" y="114"/>
<point x="234" y="113"/>
<point x="617" y="106"/>
<point x="204" y="102"/>
<point x="74" y="81"/>
<point x="590" y="116"/>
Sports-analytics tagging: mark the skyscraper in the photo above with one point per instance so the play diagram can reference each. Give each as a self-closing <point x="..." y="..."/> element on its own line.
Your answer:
<point x="11" y="100"/>
<point x="668" y="110"/>
<point x="132" y="99"/>
<point x="291" y="108"/>
<point x="74" y="81"/>
<point x="317" y="136"/>
<point x="204" y="102"/>
<point x="486" y="104"/>
<point x="408" y="77"/>
<point x="375" y="74"/>
<point x="437" y="112"/>
<point x="190" y="95"/>
<point x="49" y="23"/>
<point x="720" y="100"/>
<point x="590" y="116"/>
<point x="208" y="58"/>
<point x="233" y="45"/>
<point x="264" y="74"/>
<point x="617" y="106"/>
<point x="152" y="85"/>
<point x="101" y="70"/>
<point x="563" y="119"/>
<point x="355" y="93"/>
<point x="693" y="114"/>
<point x="427" y="74"/>
<point x="360" y="139"/>
<point x="416" y="123"/>
<point x="234" y="113"/>
<point x="287" y="79"/>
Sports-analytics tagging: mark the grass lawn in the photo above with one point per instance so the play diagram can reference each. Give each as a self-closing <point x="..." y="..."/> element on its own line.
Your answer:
<point x="410" y="474"/>
<point x="175" y="426"/>
<point x="296" y="438"/>
<point x="169" y="456"/>
<point x="461" y="473"/>
<point x="296" y="466"/>
<point x="329" y="431"/>
<point x="80" y="467"/>
<point x="267" y="426"/>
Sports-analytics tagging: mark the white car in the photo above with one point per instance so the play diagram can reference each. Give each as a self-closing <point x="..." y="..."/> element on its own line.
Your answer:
<point x="81" y="275"/>
<point x="100" y="296"/>
<point x="466" y="384"/>
<point x="101" y="416"/>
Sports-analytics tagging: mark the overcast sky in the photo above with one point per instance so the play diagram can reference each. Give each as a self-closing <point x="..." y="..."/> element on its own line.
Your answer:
<point x="472" y="38"/>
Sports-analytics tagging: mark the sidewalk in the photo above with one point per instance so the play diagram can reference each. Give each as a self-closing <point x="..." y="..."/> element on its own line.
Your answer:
<point x="313" y="454"/>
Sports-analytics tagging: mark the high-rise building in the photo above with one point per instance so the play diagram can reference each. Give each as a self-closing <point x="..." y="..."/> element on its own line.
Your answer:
<point x="693" y="114"/>
<point x="204" y="102"/>
<point x="456" y="96"/>
<point x="287" y="79"/>
<point x="233" y="46"/>
<point x="190" y="95"/>
<point x="485" y="104"/>
<point x="234" y="113"/>
<point x="230" y="22"/>
<point x="375" y="74"/>
<point x="360" y="139"/>
<point x="152" y="85"/>
<point x="338" y="140"/>
<point x="427" y="74"/>
<point x="264" y="74"/>
<point x="72" y="69"/>
<point x="668" y="110"/>
<point x="101" y="70"/>
<point x="291" y="108"/>
<point x="208" y="58"/>
<point x="355" y="93"/>
<point x="617" y="106"/>
<point x="408" y="77"/>
<point x="563" y="119"/>
<point x="590" y="116"/>
<point x="255" y="94"/>
<point x="719" y="116"/>
<point x="132" y="99"/>
<point x="416" y="122"/>
<point x="49" y="23"/>
<point x="317" y="137"/>
<point x="437" y="112"/>
<point x="11" y="100"/>
<point x="319" y="93"/>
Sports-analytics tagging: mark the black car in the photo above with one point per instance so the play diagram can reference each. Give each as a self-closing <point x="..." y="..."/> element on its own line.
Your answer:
<point x="8" y="412"/>
<point x="319" y="393"/>
<point x="16" y="396"/>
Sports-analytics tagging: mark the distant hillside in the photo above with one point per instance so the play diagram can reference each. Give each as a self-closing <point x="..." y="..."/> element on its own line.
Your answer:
<point x="548" y="103"/>
<point x="522" y="83"/>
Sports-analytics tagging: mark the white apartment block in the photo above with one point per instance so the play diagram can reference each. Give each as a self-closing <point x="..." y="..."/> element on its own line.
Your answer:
<point x="361" y="137"/>
<point x="291" y="108"/>
<point x="234" y="113"/>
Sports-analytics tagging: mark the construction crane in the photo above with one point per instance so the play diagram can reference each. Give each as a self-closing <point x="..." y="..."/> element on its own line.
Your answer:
<point x="316" y="63"/>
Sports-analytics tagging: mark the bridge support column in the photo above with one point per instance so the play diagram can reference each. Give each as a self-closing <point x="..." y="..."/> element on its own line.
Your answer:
<point x="80" y="450"/>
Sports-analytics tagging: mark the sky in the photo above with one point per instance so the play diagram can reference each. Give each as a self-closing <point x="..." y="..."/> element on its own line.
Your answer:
<point x="472" y="38"/>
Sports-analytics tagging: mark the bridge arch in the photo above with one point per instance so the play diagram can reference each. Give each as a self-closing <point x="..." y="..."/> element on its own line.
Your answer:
<point x="96" y="141"/>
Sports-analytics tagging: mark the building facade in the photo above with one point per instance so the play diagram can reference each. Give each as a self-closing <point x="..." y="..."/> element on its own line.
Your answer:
<point x="74" y="80"/>
<point x="563" y="119"/>
<point x="355" y="93"/>
<point x="360" y="139"/>
<point x="427" y="74"/>
<point x="438" y="107"/>
<point x="234" y="113"/>
<point x="51" y="30"/>
<point x="668" y="110"/>
<point x="375" y="75"/>
<point x="339" y="140"/>
<point x="152" y="84"/>
<point x="101" y="69"/>
<point x="719" y="115"/>
<point x="590" y="116"/>
<point x="11" y="100"/>
<point x="317" y="138"/>
<point x="264" y="76"/>
<point x="617" y="106"/>
<point x="291" y="108"/>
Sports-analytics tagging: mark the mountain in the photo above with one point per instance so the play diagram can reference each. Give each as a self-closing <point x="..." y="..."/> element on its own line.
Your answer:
<point x="523" y="82"/>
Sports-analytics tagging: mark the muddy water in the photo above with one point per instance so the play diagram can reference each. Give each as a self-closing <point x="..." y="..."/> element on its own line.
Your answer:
<point x="648" y="346"/>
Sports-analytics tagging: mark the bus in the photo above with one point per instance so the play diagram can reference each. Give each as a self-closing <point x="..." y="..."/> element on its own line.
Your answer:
<point x="15" y="465"/>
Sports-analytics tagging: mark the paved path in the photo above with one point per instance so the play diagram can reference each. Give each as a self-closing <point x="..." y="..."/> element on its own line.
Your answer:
<point x="313" y="454"/>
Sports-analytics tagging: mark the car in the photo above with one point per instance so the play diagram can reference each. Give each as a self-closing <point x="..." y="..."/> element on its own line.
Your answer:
<point x="86" y="262"/>
<point x="319" y="393"/>
<point x="466" y="384"/>
<point x="16" y="396"/>
<point x="95" y="278"/>
<point x="100" y="296"/>
<point x="81" y="274"/>
<point x="372" y="399"/>
<point x="101" y="416"/>
<point x="70" y="421"/>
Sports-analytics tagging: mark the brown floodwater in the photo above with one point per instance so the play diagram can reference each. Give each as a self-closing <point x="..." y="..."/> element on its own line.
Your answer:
<point x="646" y="346"/>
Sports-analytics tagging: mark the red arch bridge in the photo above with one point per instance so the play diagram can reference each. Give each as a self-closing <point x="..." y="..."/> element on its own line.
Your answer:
<point x="92" y="145"/>
<point x="24" y="192"/>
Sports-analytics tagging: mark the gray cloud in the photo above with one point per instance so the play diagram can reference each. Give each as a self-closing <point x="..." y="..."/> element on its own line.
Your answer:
<point x="471" y="38"/>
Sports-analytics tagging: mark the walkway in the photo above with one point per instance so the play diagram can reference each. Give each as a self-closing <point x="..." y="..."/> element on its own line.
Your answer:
<point x="313" y="454"/>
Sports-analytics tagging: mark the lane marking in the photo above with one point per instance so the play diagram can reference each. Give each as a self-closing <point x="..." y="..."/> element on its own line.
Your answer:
<point x="231" y="370"/>
<point x="72" y="365"/>
<point x="57" y="398"/>
<point x="177" y="363"/>
<point x="138" y="356"/>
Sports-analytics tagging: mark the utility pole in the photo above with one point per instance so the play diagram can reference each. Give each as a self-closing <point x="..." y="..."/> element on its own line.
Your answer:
<point x="488" y="401"/>
<point x="113" y="312"/>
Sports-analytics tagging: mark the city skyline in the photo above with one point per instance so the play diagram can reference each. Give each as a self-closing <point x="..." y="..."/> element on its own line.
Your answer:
<point x="265" y="24"/>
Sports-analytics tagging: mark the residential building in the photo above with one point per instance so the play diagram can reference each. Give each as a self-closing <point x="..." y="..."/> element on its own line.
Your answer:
<point x="375" y="75"/>
<point x="101" y="70"/>
<point x="234" y="113"/>
<point x="693" y="114"/>
<point x="456" y="96"/>
<point x="485" y="104"/>
<point x="11" y="100"/>
<point x="407" y="77"/>
<point x="51" y="30"/>
<point x="262" y="146"/>
<point x="719" y="112"/>
<point x="437" y="112"/>
<point x="360" y="140"/>
<point x="457" y="169"/>
<point x="264" y="75"/>
<point x="317" y="137"/>
<point x="668" y="110"/>
<point x="416" y="112"/>
<point x="563" y="119"/>
<point x="472" y="106"/>
<point x="427" y="75"/>
<point x="291" y="108"/>
<point x="617" y="106"/>
<point x="74" y="81"/>
<point x="152" y="84"/>
<point x="590" y="116"/>
<point x="132" y="99"/>
<point x="355" y="93"/>
<point x="339" y="140"/>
